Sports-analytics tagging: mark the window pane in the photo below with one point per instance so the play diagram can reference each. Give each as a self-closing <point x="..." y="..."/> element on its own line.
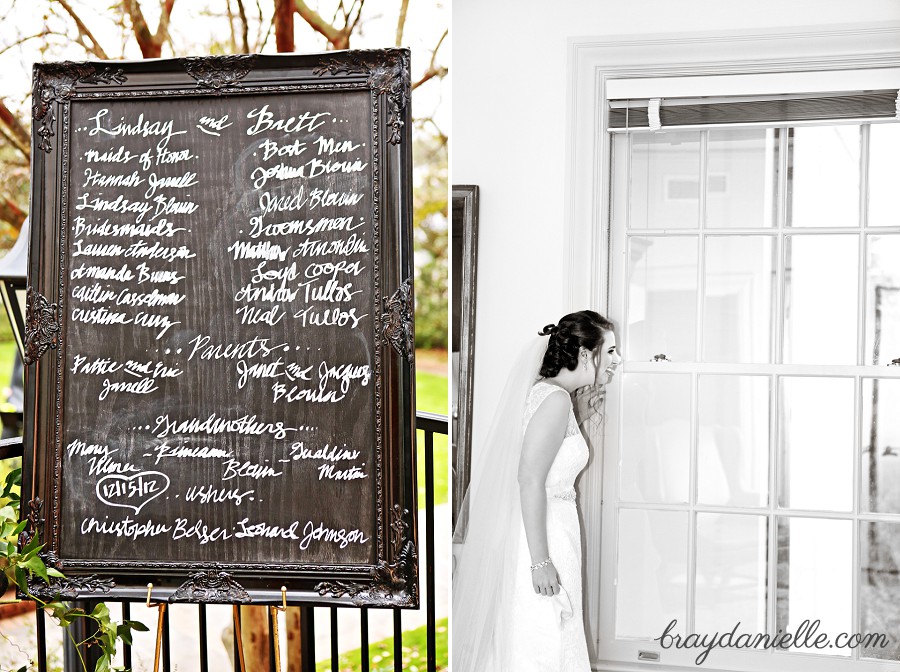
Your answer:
<point x="820" y="299"/>
<point x="662" y="298"/>
<point x="815" y="570"/>
<point x="731" y="573"/>
<point x="741" y="180"/>
<point x="883" y="299"/>
<point x="816" y="462"/>
<point x="737" y="301"/>
<point x="884" y="166"/>
<point x="879" y="588"/>
<point x="656" y="438"/>
<point x="823" y="183"/>
<point x="665" y="180"/>
<point x="651" y="585"/>
<point x="880" y="472"/>
<point x="733" y="457"/>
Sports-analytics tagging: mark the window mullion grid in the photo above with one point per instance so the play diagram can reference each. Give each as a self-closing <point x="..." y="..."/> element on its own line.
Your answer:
<point x="622" y="234"/>
<point x="863" y="243"/>
<point x="854" y="579"/>
<point x="692" y="510"/>
<point x="695" y="410"/>
<point x="806" y="231"/>
<point x="781" y="214"/>
<point x="821" y="514"/>
<point x="781" y="226"/>
<point x="772" y="532"/>
<point x="855" y="617"/>
<point x="701" y="254"/>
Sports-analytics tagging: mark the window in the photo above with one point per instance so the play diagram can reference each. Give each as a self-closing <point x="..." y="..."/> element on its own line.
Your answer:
<point x="743" y="263"/>
<point x="753" y="324"/>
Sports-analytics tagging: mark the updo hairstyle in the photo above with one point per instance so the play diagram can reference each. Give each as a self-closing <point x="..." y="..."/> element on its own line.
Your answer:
<point x="584" y="329"/>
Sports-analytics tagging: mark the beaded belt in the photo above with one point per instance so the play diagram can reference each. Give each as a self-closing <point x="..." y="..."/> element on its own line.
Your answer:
<point x="566" y="495"/>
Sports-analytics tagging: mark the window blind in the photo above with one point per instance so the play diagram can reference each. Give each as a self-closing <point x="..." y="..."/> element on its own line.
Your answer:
<point x="694" y="112"/>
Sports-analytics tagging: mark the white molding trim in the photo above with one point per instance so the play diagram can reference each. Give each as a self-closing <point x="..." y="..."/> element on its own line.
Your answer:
<point x="592" y="63"/>
<point x="753" y="85"/>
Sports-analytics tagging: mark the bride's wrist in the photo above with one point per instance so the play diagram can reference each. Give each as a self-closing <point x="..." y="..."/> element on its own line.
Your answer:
<point x="542" y="563"/>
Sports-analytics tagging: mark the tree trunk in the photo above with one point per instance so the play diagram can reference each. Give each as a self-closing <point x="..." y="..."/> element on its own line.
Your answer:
<point x="255" y="635"/>
<point x="293" y="639"/>
<point x="284" y="26"/>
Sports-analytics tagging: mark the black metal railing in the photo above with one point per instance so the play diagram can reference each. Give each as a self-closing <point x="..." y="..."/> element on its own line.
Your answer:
<point x="430" y="424"/>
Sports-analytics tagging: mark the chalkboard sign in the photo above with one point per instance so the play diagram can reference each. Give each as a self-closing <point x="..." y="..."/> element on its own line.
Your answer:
<point x="219" y="330"/>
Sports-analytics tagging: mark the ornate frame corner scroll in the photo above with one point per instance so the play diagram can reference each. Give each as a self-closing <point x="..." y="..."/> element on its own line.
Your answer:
<point x="398" y="320"/>
<point x="55" y="82"/>
<point x="395" y="583"/>
<point x="42" y="326"/>
<point x="211" y="586"/>
<point x="70" y="587"/>
<point x="387" y="73"/>
<point x="219" y="72"/>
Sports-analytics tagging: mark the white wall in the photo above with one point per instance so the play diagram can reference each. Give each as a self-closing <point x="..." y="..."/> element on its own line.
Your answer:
<point x="509" y="123"/>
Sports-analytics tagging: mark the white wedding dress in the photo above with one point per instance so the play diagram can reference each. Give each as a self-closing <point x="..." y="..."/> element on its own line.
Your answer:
<point x="548" y="634"/>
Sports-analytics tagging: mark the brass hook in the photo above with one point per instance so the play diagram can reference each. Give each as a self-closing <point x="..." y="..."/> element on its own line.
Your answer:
<point x="273" y="611"/>
<point x="161" y="606"/>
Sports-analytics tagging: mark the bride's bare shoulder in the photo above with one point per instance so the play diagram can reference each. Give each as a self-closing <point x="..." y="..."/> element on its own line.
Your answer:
<point x="547" y="404"/>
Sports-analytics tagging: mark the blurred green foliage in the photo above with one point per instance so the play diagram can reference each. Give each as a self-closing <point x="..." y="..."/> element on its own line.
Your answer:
<point x="381" y="654"/>
<point x="431" y="240"/>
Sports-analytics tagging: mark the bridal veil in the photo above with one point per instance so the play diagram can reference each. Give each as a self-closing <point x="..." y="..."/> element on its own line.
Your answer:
<point x="485" y="569"/>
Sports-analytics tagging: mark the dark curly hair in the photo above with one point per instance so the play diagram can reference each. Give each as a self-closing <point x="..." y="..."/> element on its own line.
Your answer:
<point x="584" y="329"/>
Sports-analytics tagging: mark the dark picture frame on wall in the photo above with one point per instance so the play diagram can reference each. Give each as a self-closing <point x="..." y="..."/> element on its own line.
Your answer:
<point x="465" y="268"/>
<point x="219" y="334"/>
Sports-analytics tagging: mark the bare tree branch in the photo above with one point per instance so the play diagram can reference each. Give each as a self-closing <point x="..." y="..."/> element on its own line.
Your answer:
<point x="150" y="43"/>
<point x="401" y="22"/>
<point x="433" y="70"/>
<point x="162" y="31"/>
<point x="139" y="25"/>
<point x="265" y="38"/>
<point x="259" y="42"/>
<point x="337" y="38"/>
<point x="19" y="137"/>
<point x="84" y="31"/>
<point x="232" y="40"/>
<point x="245" y="28"/>
<point x="23" y="40"/>
<point x="7" y="136"/>
<point x="12" y="213"/>
<point x="349" y="28"/>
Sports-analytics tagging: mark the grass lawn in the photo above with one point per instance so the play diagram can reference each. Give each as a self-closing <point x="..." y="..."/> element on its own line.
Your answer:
<point x="381" y="654"/>
<point x="431" y="395"/>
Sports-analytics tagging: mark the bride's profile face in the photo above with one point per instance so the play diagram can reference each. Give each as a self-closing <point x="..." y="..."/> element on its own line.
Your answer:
<point x="608" y="360"/>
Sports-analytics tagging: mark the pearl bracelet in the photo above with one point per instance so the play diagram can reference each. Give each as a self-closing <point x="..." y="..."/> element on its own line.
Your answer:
<point x="544" y="563"/>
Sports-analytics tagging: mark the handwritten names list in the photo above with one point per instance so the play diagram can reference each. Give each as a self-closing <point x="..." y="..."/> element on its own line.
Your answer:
<point x="220" y="318"/>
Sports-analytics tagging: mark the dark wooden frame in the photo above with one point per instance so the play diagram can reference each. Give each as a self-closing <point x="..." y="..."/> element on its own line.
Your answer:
<point x="393" y="579"/>
<point x="465" y="224"/>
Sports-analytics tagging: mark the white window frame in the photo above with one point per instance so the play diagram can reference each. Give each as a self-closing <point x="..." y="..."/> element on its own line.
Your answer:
<point x="797" y="56"/>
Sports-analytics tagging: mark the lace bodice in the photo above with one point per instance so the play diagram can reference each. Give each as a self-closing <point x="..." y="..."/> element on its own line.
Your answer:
<point x="573" y="453"/>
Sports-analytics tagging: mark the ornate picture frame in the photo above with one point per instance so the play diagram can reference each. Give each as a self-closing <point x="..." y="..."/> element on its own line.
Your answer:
<point x="73" y="102"/>
<point x="465" y="267"/>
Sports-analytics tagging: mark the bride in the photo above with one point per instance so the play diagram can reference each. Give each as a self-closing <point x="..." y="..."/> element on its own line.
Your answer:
<point x="517" y="582"/>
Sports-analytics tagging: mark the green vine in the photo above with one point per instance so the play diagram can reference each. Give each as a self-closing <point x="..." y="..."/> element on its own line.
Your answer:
<point x="21" y="564"/>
